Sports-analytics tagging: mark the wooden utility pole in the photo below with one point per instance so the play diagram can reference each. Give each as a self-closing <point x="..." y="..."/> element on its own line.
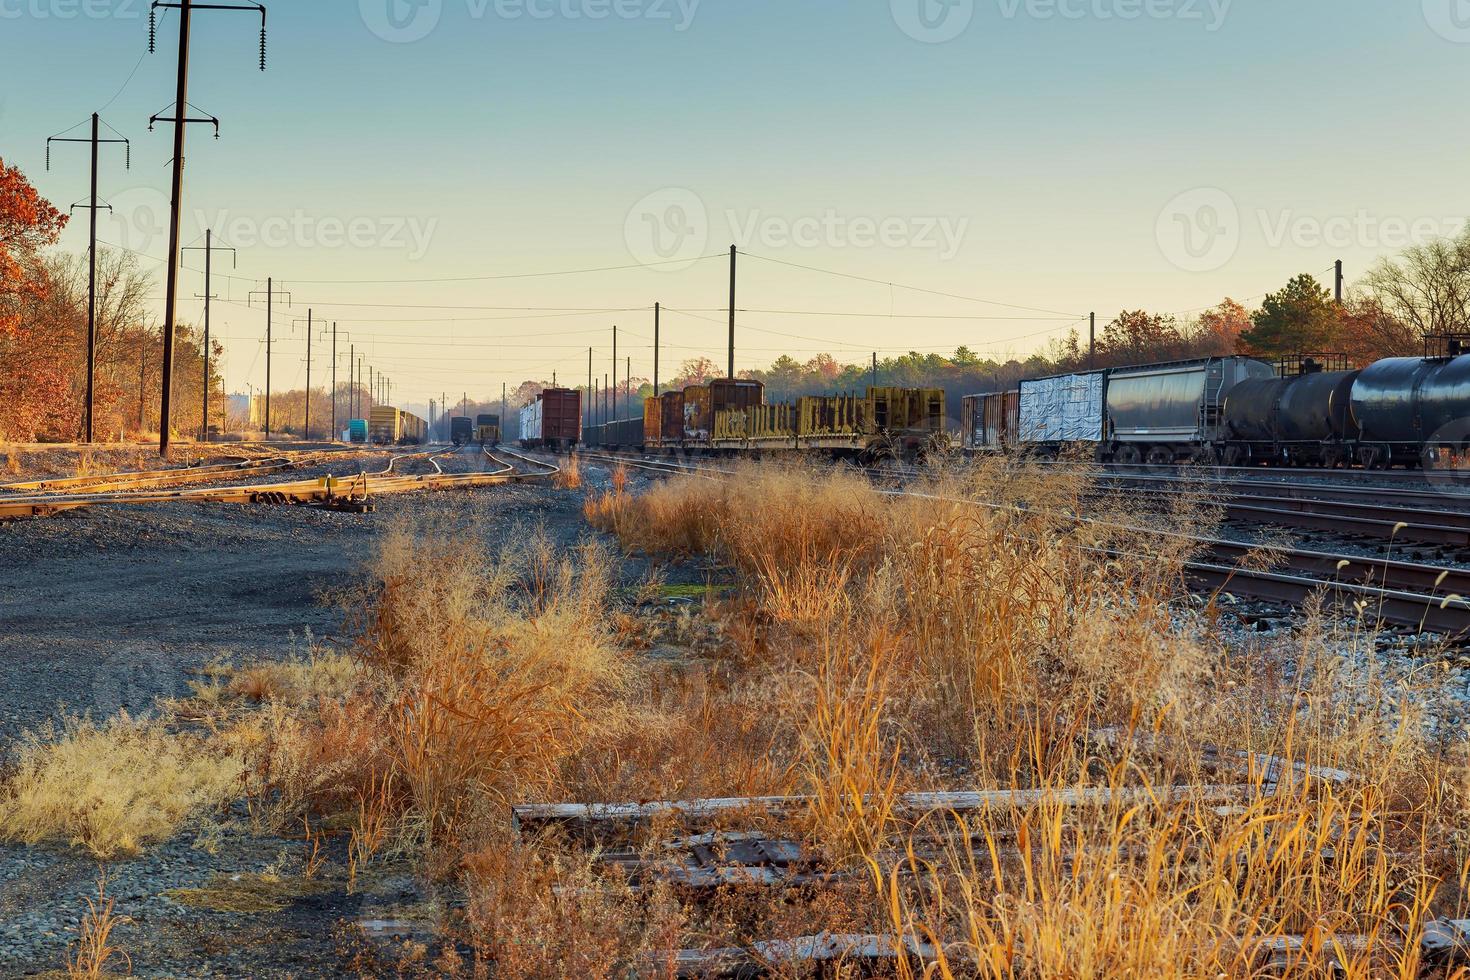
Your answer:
<point x="208" y="251"/>
<point x="732" y="312"/>
<point x="332" y="435"/>
<point x="180" y="120"/>
<point x="1092" y="341"/>
<point x="270" y="296"/>
<point x="1338" y="279"/>
<point x="656" y="311"/>
<point x="90" y="408"/>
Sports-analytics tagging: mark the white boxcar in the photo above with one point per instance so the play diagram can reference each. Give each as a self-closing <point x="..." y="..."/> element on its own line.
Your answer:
<point x="1067" y="408"/>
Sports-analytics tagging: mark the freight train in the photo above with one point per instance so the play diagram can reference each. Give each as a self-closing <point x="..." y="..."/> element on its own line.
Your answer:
<point x="732" y="415"/>
<point x="1308" y="410"/>
<point x="461" y="430"/>
<point x="553" y="420"/>
<point x="388" y="426"/>
<point x="487" y="429"/>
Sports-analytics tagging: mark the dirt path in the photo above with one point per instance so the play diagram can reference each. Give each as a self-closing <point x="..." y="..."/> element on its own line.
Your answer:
<point x="110" y="609"/>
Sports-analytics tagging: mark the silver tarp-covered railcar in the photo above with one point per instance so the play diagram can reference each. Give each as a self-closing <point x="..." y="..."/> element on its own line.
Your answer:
<point x="1067" y="408"/>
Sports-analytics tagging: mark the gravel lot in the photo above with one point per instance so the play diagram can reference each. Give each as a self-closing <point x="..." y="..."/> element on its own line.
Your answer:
<point x="109" y="609"/>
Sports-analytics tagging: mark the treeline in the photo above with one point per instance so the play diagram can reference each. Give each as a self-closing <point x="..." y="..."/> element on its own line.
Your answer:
<point x="43" y="336"/>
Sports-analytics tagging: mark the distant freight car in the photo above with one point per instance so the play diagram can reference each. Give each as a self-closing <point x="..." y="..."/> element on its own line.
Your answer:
<point x="388" y="426"/>
<point x="553" y="420"/>
<point x="487" y="429"/>
<point x="1303" y="418"/>
<point x="461" y="430"/>
<point x="988" y="422"/>
<point x="1414" y="411"/>
<point x="1163" y="413"/>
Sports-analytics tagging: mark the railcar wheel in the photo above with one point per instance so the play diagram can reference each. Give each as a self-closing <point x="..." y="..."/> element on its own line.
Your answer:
<point x="1160" y="456"/>
<point x="1129" y="455"/>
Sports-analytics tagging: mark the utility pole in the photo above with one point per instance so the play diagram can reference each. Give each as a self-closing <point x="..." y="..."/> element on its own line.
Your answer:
<point x="270" y="295"/>
<point x="590" y="409"/>
<point x="1092" y="341"/>
<point x="93" y="207"/>
<point x="628" y="383"/>
<point x="614" y="416"/>
<point x="1338" y="290"/>
<point x="333" y="433"/>
<point x="656" y="311"/>
<point x="732" y="312"/>
<point x="875" y="369"/>
<point x="179" y="119"/>
<point x="306" y="427"/>
<point x="208" y="251"/>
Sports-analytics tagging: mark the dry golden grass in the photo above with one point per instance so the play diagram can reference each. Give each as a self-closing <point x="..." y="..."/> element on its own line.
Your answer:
<point x="115" y="787"/>
<point x="94" y="948"/>
<point x="974" y="634"/>
<point x="569" y="477"/>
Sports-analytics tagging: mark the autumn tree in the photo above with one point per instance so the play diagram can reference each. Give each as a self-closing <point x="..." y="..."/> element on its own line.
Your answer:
<point x="1224" y="324"/>
<point x="696" y="371"/>
<point x="1367" y="333"/>
<point x="1138" y="337"/>
<point x="28" y="223"/>
<point x="1301" y="317"/>
<point x="1427" y="287"/>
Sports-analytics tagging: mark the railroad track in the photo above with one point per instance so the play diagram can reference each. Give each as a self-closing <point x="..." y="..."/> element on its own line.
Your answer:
<point x="1401" y="593"/>
<point x="344" y="493"/>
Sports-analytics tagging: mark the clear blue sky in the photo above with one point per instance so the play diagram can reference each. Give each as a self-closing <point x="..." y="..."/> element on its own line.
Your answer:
<point x="1051" y="140"/>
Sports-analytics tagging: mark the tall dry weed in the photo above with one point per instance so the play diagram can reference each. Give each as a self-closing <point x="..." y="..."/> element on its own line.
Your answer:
<point x="115" y="787"/>
<point x="997" y="628"/>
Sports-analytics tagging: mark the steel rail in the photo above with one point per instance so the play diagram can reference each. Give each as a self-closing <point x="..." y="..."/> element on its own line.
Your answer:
<point x="330" y="490"/>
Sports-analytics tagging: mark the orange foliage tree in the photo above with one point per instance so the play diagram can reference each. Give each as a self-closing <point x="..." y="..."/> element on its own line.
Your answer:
<point x="28" y="223"/>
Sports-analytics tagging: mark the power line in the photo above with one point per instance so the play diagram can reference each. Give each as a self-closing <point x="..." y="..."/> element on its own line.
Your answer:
<point x="916" y="289"/>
